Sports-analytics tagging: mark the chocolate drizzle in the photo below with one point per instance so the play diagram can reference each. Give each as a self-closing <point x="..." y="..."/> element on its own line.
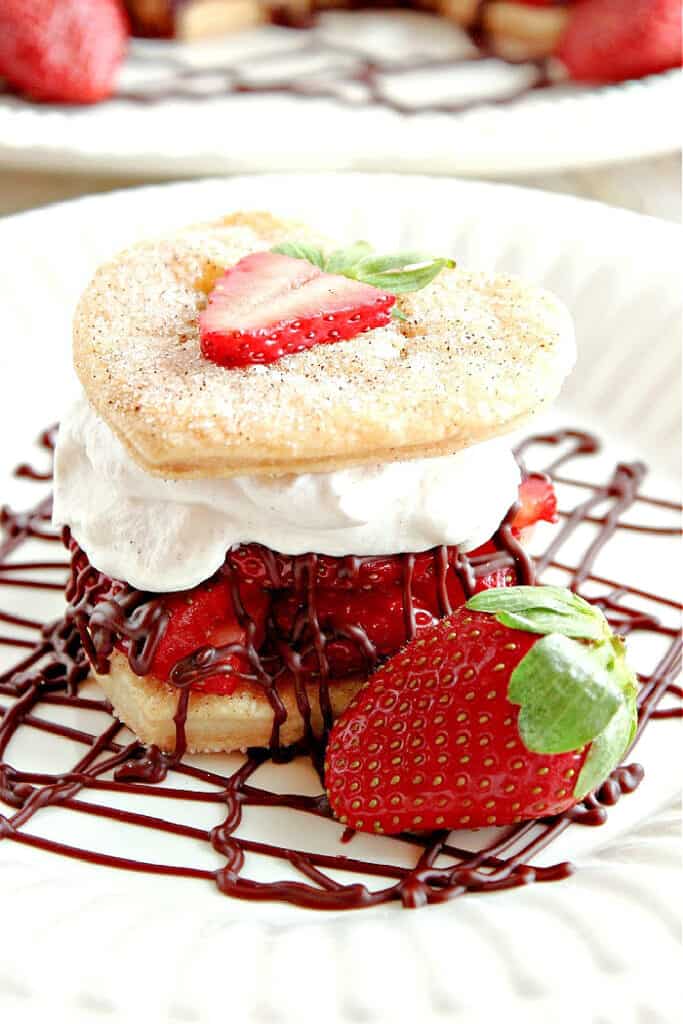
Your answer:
<point x="352" y="79"/>
<point x="56" y="663"/>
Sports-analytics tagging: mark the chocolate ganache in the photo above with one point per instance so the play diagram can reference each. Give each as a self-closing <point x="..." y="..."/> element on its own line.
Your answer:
<point x="98" y="613"/>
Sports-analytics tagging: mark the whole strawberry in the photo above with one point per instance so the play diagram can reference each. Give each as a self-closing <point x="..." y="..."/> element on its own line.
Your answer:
<point x="64" y="51"/>
<point x="514" y="707"/>
<point x="611" y="41"/>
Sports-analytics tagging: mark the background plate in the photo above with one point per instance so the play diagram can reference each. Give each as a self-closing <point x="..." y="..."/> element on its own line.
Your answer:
<point x="172" y="115"/>
<point x="89" y="943"/>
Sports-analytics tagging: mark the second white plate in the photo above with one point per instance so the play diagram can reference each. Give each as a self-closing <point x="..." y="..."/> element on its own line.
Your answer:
<point x="363" y="90"/>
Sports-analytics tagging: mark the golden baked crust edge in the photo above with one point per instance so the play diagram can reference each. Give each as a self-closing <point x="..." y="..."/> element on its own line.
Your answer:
<point x="215" y="723"/>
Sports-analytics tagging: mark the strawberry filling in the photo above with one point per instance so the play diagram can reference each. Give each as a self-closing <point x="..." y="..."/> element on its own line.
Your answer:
<point x="205" y="616"/>
<point x="263" y="603"/>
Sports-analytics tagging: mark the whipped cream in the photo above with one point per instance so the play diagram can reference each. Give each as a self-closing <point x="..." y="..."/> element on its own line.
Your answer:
<point x="165" y="535"/>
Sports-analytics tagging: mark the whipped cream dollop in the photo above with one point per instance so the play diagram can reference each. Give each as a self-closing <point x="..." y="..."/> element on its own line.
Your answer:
<point x="165" y="535"/>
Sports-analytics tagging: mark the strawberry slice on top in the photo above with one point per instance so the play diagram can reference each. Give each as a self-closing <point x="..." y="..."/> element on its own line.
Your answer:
<point x="271" y="305"/>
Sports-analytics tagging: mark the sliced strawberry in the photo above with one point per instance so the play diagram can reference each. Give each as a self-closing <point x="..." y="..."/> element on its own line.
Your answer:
<point x="379" y="613"/>
<point x="206" y="616"/>
<point x="482" y="720"/>
<point x="65" y="51"/>
<point x="611" y="41"/>
<point x="269" y="305"/>
<point x="537" y="502"/>
<point x="256" y="564"/>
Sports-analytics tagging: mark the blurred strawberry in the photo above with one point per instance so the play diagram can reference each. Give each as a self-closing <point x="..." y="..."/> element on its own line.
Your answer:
<point x="63" y="51"/>
<point x="612" y="41"/>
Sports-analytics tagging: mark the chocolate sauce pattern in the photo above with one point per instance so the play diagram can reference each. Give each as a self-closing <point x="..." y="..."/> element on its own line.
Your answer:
<point x="58" y="661"/>
<point x="351" y="79"/>
<point x="339" y="84"/>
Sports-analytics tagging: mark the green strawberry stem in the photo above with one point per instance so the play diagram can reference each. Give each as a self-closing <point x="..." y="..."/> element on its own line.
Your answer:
<point x="573" y="687"/>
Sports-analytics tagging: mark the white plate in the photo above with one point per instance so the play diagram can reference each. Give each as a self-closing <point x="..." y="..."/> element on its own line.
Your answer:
<point x="196" y="130"/>
<point x="89" y="943"/>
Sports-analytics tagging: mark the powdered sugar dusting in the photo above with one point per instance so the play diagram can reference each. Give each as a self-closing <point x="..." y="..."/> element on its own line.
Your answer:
<point x="477" y="353"/>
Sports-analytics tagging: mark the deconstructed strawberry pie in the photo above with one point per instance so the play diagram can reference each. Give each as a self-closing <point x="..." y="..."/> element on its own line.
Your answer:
<point x="289" y="460"/>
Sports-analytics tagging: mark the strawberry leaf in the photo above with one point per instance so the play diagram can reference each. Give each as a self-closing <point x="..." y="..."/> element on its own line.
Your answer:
<point x="397" y="261"/>
<point x="609" y="747"/>
<point x="518" y="598"/>
<point x="543" y="621"/>
<point x="543" y="610"/>
<point x="401" y="272"/>
<point x="568" y="693"/>
<point x="301" y="251"/>
<point x="341" y="261"/>
<point x="389" y="274"/>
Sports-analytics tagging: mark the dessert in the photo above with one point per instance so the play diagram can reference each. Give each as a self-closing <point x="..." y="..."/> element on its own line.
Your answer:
<point x="65" y="51"/>
<point x="492" y="53"/>
<point x="281" y="472"/>
<point x="227" y="589"/>
<point x="51" y="672"/>
<point x="596" y="40"/>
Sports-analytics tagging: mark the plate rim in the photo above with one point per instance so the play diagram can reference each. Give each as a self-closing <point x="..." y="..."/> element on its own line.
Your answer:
<point x="530" y="193"/>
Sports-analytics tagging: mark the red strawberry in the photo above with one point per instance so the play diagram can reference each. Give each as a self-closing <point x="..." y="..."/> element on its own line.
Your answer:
<point x="206" y="616"/>
<point x="379" y="613"/>
<point x="65" y="51"/>
<point x="269" y="305"/>
<point x="537" y="501"/>
<point x="611" y="41"/>
<point x="257" y="565"/>
<point x="492" y="716"/>
<point x="254" y="563"/>
<point x="456" y="595"/>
